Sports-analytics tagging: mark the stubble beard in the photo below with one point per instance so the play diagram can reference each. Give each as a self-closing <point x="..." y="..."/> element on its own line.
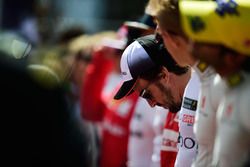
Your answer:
<point x="168" y="100"/>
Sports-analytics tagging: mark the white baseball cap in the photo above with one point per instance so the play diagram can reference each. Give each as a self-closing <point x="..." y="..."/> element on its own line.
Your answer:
<point x="135" y="61"/>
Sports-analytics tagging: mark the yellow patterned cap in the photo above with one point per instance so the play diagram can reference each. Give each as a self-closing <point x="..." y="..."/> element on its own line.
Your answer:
<point x="225" y="22"/>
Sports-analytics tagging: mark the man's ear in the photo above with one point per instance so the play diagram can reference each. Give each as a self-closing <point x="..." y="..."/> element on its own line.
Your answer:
<point x="164" y="74"/>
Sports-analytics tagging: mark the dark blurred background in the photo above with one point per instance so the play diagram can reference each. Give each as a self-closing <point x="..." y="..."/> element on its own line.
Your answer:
<point x="93" y="15"/>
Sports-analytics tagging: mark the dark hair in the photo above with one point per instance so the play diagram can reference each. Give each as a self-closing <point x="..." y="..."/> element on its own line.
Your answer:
<point x="166" y="60"/>
<point x="69" y="34"/>
<point x="245" y="65"/>
<point x="161" y="57"/>
<point x="83" y="56"/>
<point x="152" y="74"/>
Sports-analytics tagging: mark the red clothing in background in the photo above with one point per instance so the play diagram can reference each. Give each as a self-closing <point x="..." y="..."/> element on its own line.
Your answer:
<point x="115" y="132"/>
<point x="170" y="140"/>
<point x="96" y="74"/>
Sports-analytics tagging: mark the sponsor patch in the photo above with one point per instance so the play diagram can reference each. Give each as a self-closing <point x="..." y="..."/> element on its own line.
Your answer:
<point x="227" y="7"/>
<point x="190" y="104"/>
<point x="186" y="142"/>
<point x="189" y="119"/>
<point x="124" y="73"/>
<point x="136" y="134"/>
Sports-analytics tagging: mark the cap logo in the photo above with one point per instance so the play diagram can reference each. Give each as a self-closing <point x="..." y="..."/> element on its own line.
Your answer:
<point x="229" y="7"/>
<point x="124" y="73"/>
<point x="196" y="23"/>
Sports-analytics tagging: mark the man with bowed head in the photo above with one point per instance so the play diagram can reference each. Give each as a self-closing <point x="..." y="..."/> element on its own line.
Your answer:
<point x="149" y="70"/>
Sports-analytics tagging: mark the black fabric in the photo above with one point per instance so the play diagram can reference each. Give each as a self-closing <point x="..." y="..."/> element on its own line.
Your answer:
<point x="125" y="89"/>
<point x="148" y="20"/>
<point x="37" y="127"/>
<point x="139" y="64"/>
<point x="159" y="54"/>
<point x="133" y="33"/>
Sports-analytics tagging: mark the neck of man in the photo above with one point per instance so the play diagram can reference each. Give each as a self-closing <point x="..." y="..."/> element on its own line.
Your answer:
<point x="182" y="81"/>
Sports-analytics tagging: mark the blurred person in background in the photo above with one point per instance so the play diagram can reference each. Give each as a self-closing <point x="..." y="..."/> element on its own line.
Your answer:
<point x="159" y="124"/>
<point x="146" y="126"/>
<point x="68" y="60"/>
<point x="67" y="34"/>
<point x="44" y="133"/>
<point x="38" y="26"/>
<point x="228" y="54"/>
<point x="111" y="118"/>
<point x="82" y="48"/>
<point x="115" y="115"/>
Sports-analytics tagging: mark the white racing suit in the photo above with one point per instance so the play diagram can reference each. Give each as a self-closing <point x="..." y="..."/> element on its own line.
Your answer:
<point x="212" y="90"/>
<point x="232" y="143"/>
<point x="187" y="145"/>
<point x="143" y="131"/>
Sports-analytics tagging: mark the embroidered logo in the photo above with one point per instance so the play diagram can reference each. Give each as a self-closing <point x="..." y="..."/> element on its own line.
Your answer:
<point x="189" y="119"/>
<point x="136" y="134"/>
<point x="196" y="23"/>
<point x="190" y="104"/>
<point x="229" y="7"/>
<point x="124" y="73"/>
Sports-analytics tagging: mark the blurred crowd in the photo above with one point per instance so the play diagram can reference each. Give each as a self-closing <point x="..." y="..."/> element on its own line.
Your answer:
<point x="169" y="89"/>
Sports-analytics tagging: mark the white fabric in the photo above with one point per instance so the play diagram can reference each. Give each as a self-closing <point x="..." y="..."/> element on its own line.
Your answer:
<point x="134" y="49"/>
<point x="205" y="120"/>
<point x="114" y="43"/>
<point x="232" y="143"/>
<point x="113" y="79"/>
<point x="143" y="131"/>
<point x="187" y="143"/>
<point x="126" y="75"/>
<point x="158" y="125"/>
